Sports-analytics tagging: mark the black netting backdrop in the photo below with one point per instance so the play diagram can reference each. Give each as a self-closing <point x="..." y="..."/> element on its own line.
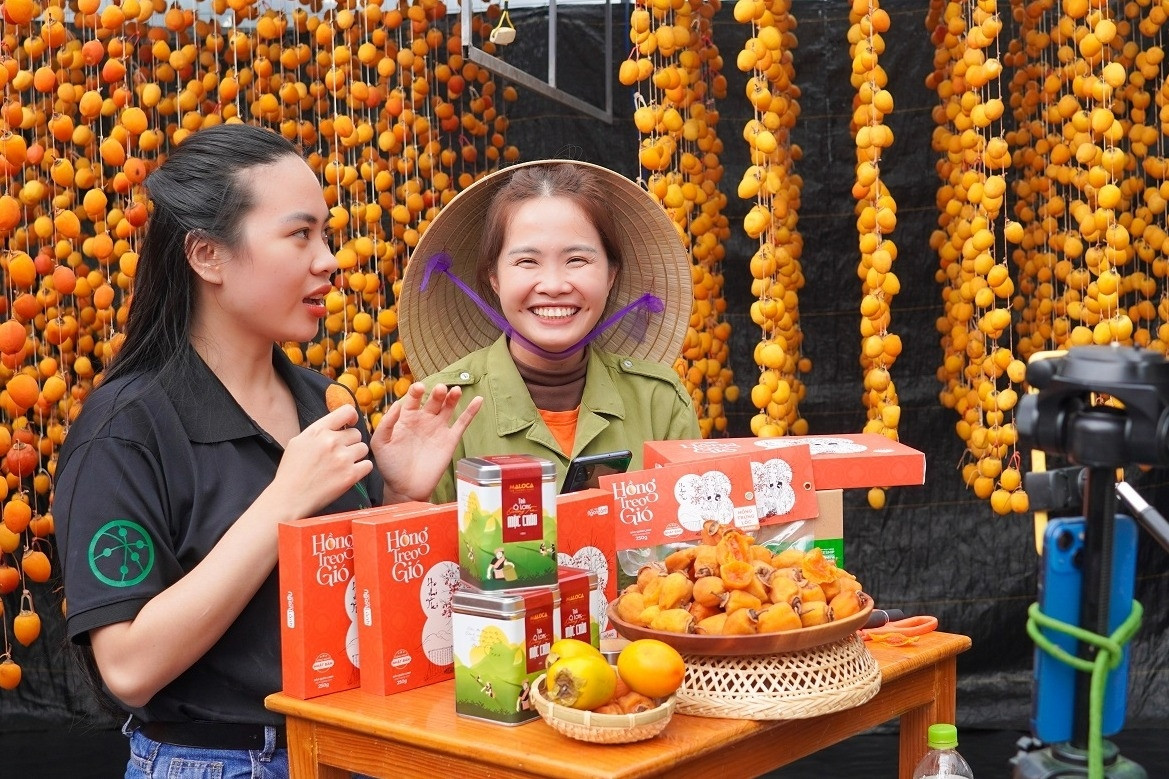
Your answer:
<point x="935" y="549"/>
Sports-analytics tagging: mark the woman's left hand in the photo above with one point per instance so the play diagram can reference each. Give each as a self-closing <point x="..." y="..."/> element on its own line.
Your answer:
<point x="415" y="440"/>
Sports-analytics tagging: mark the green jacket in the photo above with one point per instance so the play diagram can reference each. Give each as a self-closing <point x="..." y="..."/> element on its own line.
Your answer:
<point x="626" y="402"/>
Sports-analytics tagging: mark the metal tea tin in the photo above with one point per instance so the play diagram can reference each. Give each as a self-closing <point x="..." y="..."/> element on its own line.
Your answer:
<point x="501" y="644"/>
<point x="507" y="521"/>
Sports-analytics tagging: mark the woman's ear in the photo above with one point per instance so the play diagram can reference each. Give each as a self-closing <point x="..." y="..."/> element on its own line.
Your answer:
<point x="493" y="277"/>
<point x="203" y="257"/>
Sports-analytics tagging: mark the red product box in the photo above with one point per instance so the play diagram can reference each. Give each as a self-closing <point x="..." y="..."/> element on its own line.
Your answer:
<point x="839" y="461"/>
<point x="670" y="503"/>
<point x="318" y="629"/>
<point x="587" y="538"/>
<point x="406" y="564"/>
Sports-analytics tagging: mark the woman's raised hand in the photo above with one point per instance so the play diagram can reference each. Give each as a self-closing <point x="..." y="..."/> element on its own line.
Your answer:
<point x="416" y="439"/>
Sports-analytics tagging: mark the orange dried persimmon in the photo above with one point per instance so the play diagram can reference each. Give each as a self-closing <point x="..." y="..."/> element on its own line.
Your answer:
<point x="817" y="568"/>
<point x="733" y="546"/>
<point x="712" y="532"/>
<point x="681" y="560"/>
<point x="737" y="574"/>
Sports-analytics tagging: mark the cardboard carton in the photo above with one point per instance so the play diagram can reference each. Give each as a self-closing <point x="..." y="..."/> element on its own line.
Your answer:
<point x="825" y="530"/>
<point x="586" y="538"/>
<point x="670" y="503"/>
<point x="828" y="526"/>
<point x="406" y="564"/>
<point x="839" y="461"/>
<point x="318" y="629"/>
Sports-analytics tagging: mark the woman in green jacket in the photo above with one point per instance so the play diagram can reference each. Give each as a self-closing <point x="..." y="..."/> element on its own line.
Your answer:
<point x="560" y="293"/>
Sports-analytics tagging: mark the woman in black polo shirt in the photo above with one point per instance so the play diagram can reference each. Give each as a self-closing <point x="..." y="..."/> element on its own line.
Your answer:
<point x="201" y="437"/>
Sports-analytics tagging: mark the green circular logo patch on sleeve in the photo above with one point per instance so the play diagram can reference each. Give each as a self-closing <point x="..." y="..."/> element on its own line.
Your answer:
<point x="121" y="553"/>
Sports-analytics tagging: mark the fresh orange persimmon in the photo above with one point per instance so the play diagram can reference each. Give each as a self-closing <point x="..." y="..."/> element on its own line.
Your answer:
<point x="17" y="514"/>
<point x="651" y="667"/>
<point x="9" y="578"/>
<point x="26" y="626"/>
<point x="9" y="674"/>
<point x="35" y="565"/>
<point x="12" y="336"/>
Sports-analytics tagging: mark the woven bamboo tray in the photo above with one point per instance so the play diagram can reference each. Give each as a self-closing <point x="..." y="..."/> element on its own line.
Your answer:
<point x="602" y="728"/>
<point x="789" y="685"/>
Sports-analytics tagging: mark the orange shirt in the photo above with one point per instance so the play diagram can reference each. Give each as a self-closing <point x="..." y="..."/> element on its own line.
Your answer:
<point x="562" y="425"/>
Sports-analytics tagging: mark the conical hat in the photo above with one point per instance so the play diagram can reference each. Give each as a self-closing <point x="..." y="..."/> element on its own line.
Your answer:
<point x="441" y="324"/>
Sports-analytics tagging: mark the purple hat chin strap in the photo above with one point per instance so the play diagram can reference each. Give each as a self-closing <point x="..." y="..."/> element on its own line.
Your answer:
<point x="642" y="307"/>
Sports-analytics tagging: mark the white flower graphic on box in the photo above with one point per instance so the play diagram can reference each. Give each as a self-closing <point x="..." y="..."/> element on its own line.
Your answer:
<point x="772" y="482"/>
<point x="592" y="559"/>
<point x="436" y="595"/>
<point x="704" y="496"/>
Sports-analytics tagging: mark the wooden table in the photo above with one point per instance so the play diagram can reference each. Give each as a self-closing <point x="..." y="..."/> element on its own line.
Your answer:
<point x="417" y="733"/>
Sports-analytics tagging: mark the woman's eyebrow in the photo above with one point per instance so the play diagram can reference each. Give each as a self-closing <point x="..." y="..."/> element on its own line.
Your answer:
<point x="584" y="247"/>
<point x="302" y="216"/>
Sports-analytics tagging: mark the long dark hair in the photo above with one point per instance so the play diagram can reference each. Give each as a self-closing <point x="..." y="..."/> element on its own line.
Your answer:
<point x="201" y="189"/>
<point x="555" y="179"/>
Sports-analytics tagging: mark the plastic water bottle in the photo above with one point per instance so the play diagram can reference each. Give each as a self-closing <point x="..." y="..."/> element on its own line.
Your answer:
<point x="943" y="760"/>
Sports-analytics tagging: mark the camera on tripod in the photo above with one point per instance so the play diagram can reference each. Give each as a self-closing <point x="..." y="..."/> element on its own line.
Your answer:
<point x="1063" y="418"/>
<point x="1101" y="408"/>
<point x="1071" y="416"/>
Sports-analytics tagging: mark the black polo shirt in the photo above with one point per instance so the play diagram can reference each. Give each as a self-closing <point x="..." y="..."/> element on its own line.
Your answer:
<point x="151" y="475"/>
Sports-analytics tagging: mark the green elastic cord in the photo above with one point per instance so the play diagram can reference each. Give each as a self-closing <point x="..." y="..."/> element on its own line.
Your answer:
<point x="1109" y="653"/>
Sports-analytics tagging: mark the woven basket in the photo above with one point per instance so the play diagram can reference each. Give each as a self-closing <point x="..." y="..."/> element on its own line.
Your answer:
<point x="602" y="728"/>
<point x="791" y="685"/>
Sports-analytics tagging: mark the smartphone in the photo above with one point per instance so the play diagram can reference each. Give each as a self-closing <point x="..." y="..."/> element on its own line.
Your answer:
<point x="585" y="471"/>
<point x="1053" y="699"/>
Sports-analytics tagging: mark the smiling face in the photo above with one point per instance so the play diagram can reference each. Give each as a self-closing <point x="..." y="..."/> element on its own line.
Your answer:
<point x="552" y="276"/>
<point x="272" y="284"/>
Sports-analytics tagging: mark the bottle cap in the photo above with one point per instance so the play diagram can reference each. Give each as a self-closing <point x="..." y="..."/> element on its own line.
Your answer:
<point x="942" y="737"/>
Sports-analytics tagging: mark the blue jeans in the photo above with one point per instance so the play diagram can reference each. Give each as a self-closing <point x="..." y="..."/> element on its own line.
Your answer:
<point x="154" y="760"/>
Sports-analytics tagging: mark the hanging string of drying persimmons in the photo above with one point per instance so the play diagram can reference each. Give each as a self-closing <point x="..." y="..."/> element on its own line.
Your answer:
<point x="1033" y="244"/>
<point x="1142" y="91"/>
<point x="771" y="182"/>
<point x="1102" y="189"/>
<point x="980" y="370"/>
<point x="392" y="117"/>
<point x="676" y="69"/>
<point x="876" y="213"/>
<point x="1087" y="240"/>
